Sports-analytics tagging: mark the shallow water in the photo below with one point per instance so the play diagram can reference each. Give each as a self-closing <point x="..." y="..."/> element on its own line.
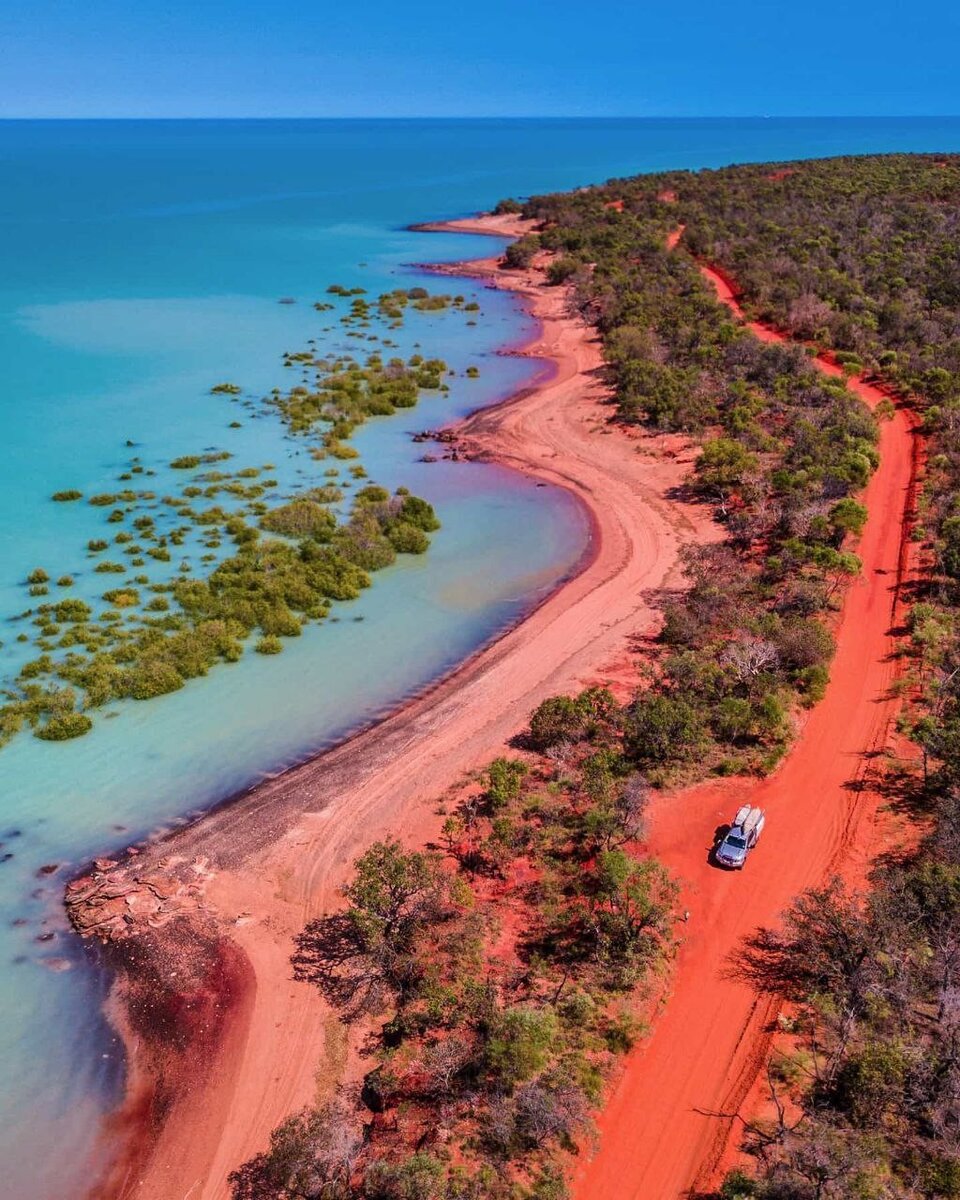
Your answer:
<point x="141" y="264"/>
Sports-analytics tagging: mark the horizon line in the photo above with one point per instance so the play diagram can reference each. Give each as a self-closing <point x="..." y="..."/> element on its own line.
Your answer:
<point x="492" y="117"/>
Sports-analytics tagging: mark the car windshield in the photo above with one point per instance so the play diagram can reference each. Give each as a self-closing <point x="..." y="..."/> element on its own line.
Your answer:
<point x="736" y="841"/>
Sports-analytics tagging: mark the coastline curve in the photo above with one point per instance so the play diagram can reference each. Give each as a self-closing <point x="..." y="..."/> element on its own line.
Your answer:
<point x="243" y="879"/>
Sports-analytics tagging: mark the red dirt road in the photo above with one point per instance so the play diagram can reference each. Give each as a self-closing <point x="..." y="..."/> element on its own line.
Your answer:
<point x="658" y="1139"/>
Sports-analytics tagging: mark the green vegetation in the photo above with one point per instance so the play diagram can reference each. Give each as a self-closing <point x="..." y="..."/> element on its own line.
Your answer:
<point x="292" y="558"/>
<point x="784" y="452"/>
<point x="345" y="393"/>
<point x="268" y="586"/>
<point x="66" y="495"/>
<point x="521" y="253"/>
<point x="60" y="728"/>
<point x="488" y="1060"/>
<point x="498" y="980"/>
<point x="870" y="1079"/>
<point x="858" y="257"/>
<point x="301" y="517"/>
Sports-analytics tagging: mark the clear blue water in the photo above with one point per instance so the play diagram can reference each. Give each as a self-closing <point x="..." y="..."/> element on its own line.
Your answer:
<point x="142" y="262"/>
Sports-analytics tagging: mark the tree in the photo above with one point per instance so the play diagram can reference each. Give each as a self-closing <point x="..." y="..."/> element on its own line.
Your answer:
<point x="749" y="657"/>
<point x="507" y="206"/>
<point x="617" y="818"/>
<point x="312" y="1157"/>
<point x="825" y="948"/>
<point x="504" y="779"/>
<point x="519" y="1042"/>
<point x="419" y="1177"/>
<point x="723" y="466"/>
<point x="556" y="719"/>
<point x="357" y="955"/>
<point x="570" y="718"/>
<point x="846" y="516"/>
<point x="802" y="643"/>
<point x="521" y="253"/>
<point x="392" y="895"/>
<point x="950" y="546"/>
<point x="443" y="1061"/>
<point x="548" y="1108"/>
<point x="562" y="269"/>
<point x="808" y="316"/>
<point x="630" y="903"/>
<point x="662" y="729"/>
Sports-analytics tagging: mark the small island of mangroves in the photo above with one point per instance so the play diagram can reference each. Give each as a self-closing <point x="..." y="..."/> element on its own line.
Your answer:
<point x="222" y="562"/>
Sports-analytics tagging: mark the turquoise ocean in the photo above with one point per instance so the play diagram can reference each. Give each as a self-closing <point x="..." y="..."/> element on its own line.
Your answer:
<point x="142" y="262"/>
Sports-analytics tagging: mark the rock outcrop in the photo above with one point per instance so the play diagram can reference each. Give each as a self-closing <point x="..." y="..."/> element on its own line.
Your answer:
<point x="117" y="901"/>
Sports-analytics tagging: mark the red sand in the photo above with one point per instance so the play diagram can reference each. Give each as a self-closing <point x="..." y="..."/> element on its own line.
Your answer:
<point x="658" y="1139"/>
<point x="673" y="238"/>
<point x="278" y="856"/>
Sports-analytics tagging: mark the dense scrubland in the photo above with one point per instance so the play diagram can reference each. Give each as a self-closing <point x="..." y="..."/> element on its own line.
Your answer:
<point x="785" y="452"/>
<point x="858" y="258"/>
<point x="861" y="256"/>
<point x="492" y="978"/>
<point x="497" y="974"/>
<point x="221" y="561"/>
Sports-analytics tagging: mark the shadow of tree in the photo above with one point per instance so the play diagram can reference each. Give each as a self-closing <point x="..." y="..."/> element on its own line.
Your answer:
<point x="330" y="955"/>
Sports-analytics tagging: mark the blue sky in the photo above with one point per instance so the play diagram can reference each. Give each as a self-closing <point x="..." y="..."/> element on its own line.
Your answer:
<point x="83" y="58"/>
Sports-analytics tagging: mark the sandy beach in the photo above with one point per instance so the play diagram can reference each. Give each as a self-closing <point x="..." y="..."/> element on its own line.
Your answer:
<point x="222" y="1043"/>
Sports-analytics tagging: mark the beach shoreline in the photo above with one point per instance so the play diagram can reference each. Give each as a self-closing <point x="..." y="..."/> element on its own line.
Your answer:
<point x="245" y="876"/>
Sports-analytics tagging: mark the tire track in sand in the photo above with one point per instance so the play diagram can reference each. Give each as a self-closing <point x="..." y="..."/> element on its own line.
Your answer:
<point x="658" y="1139"/>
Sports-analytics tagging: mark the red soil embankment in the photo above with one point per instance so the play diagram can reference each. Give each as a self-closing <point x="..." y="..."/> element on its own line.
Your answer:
<point x="660" y="1135"/>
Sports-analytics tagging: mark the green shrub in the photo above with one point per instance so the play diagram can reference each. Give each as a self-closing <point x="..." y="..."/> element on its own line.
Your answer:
<point x="64" y="726"/>
<point x="149" y="678"/>
<point x="122" y="597"/>
<point x="521" y="253"/>
<point x="72" y="610"/>
<point x="556" y="719"/>
<point x="562" y="269"/>
<point x="418" y="512"/>
<point x="519" y="1042"/>
<point x="408" y="539"/>
<point x="301" y="518"/>
<point x="738" y="1186"/>
<point x="662" y="729"/>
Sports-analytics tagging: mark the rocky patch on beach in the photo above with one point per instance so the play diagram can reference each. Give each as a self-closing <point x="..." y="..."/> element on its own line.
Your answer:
<point x="455" y="450"/>
<point x="177" y="980"/>
<point x="117" y="900"/>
